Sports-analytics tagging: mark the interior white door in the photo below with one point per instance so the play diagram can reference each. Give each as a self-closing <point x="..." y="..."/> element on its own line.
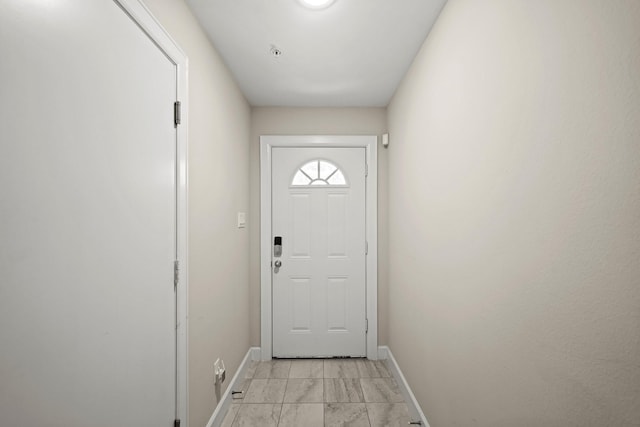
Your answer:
<point x="87" y="218"/>
<point x="319" y="288"/>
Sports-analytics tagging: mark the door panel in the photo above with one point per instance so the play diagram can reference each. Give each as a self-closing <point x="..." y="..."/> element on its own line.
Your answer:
<point x="301" y="233"/>
<point x="337" y="303"/>
<point x="87" y="218"/>
<point x="301" y="304"/>
<point x="337" y="205"/>
<point x="319" y="291"/>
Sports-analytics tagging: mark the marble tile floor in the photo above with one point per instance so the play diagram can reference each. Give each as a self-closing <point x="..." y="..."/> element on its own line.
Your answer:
<point x="317" y="392"/>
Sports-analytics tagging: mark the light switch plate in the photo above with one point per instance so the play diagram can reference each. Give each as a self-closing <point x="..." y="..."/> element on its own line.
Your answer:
<point x="242" y="220"/>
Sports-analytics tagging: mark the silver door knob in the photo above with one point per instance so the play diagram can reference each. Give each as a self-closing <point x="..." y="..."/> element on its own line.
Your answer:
<point x="278" y="264"/>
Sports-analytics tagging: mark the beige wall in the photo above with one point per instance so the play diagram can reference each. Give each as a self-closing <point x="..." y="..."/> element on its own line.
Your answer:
<point x="219" y="120"/>
<point x="316" y="121"/>
<point x="514" y="177"/>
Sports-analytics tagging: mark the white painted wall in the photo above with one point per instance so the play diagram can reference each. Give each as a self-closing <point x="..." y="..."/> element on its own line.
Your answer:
<point x="315" y="121"/>
<point x="218" y="188"/>
<point x="514" y="224"/>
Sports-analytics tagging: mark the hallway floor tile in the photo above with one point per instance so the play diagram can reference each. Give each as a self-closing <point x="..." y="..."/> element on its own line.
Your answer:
<point x="316" y="393"/>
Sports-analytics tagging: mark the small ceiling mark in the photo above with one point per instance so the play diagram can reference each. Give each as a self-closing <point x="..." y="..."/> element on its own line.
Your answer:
<point x="275" y="51"/>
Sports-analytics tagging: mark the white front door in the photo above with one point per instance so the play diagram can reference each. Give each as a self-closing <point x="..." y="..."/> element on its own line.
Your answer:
<point x="319" y="280"/>
<point x="87" y="218"/>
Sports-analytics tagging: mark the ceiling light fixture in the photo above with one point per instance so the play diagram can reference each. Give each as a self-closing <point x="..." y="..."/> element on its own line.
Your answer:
<point x="316" y="4"/>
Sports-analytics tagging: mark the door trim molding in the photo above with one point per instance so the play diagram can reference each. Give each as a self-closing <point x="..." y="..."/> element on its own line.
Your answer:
<point x="143" y="17"/>
<point x="370" y="144"/>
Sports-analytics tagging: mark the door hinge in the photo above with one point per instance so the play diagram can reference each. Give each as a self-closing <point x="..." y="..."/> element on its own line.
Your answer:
<point x="366" y="248"/>
<point x="177" y="113"/>
<point x="366" y="169"/>
<point x="366" y="327"/>
<point x="176" y="423"/>
<point x="176" y="273"/>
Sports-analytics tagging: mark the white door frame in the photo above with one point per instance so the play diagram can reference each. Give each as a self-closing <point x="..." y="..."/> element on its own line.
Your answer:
<point x="370" y="143"/>
<point x="148" y="23"/>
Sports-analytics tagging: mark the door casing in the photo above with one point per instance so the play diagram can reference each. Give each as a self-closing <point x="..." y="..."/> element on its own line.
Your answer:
<point x="370" y="143"/>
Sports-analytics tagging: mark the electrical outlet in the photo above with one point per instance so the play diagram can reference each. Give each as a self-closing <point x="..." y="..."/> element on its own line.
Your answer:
<point x="219" y="371"/>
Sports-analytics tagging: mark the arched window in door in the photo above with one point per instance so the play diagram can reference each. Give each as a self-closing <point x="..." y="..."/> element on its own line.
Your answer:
<point x="319" y="173"/>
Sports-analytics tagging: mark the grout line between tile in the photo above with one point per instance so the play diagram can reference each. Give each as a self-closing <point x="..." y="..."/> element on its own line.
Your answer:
<point x="280" y="416"/>
<point x="233" y="420"/>
<point x="366" y="408"/>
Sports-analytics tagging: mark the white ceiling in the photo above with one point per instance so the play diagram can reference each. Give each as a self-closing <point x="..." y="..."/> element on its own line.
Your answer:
<point x="355" y="53"/>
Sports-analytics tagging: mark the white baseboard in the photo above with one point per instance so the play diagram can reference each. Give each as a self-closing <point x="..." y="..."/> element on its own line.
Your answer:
<point x="225" y="401"/>
<point x="415" y="412"/>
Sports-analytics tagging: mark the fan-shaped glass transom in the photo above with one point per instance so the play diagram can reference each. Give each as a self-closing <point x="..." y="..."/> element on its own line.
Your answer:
<point x="319" y="173"/>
